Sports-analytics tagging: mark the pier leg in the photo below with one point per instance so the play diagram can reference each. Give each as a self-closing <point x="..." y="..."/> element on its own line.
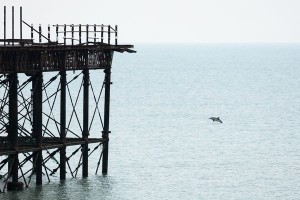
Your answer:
<point x="13" y="124"/>
<point x="37" y="84"/>
<point x="63" y="124"/>
<point x="85" y="133"/>
<point x="105" y="133"/>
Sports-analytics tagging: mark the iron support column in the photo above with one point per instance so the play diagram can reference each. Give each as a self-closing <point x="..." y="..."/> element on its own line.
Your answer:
<point x="13" y="124"/>
<point x="37" y="125"/>
<point x="63" y="124"/>
<point x="85" y="132"/>
<point x="105" y="133"/>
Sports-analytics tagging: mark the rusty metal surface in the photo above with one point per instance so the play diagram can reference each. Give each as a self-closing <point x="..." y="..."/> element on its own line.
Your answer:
<point x="69" y="47"/>
<point x="56" y="58"/>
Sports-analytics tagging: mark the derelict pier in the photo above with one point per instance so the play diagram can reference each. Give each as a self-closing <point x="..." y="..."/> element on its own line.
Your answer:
<point x="54" y="103"/>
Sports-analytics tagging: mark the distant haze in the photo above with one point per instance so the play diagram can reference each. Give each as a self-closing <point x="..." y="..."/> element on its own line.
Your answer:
<point x="173" y="21"/>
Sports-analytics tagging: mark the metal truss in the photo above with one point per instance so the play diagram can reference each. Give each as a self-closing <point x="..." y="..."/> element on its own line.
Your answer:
<point x="54" y="105"/>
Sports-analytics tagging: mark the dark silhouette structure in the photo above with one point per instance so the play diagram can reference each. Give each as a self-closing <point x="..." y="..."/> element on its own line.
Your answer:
<point x="53" y="102"/>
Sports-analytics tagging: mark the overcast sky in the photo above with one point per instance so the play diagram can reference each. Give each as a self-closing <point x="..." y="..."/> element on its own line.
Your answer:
<point x="169" y="21"/>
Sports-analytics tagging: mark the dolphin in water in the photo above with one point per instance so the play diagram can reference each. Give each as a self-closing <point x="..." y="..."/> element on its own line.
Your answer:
<point x="216" y="119"/>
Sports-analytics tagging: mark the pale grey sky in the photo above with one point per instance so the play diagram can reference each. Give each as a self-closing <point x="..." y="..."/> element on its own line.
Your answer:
<point x="181" y="21"/>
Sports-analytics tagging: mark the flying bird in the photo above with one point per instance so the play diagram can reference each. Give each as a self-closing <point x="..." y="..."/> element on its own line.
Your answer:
<point x="216" y="119"/>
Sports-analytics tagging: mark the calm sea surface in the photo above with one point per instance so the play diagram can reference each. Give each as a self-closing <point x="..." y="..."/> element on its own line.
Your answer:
<point x="163" y="146"/>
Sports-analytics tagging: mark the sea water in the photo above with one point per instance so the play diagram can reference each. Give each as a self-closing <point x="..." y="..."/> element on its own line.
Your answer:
<point x="163" y="144"/>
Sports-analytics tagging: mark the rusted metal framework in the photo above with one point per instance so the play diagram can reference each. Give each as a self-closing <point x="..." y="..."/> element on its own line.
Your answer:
<point x="58" y="113"/>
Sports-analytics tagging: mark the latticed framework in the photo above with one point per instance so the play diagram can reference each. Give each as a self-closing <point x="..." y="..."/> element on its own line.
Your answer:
<point x="51" y="123"/>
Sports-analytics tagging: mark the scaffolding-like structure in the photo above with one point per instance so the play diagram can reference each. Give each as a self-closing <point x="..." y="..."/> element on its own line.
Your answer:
<point x="45" y="115"/>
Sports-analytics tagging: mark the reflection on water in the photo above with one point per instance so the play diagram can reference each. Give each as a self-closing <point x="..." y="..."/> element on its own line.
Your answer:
<point x="94" y="187"/>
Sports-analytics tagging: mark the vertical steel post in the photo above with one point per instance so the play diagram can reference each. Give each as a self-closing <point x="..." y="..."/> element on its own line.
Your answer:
<point x="116" y="35"/>
<point x="105" y="133"/>
<point x="21" y="28"/>
<point x="87" y="34"/>
<point x="13" y="123"/>
<point x="108" y="34"/>
<point x="79" y="33"/>
<point x="63" y="81"/>
<point x="72" y="31"/>
<point x="85" y="132"/>
<point x="49" y="34"/>
<point x="13" y="25"/>
<point x="40" y="33"/>
<point x="102" y="33"/>
<point x="65" y="34"/>
<point x="95" y="33"/>
<point x="57" y="33"/>
<point x="31" y="31"/>
<point x="37" y="84"/>
<point x="4" y="25"/>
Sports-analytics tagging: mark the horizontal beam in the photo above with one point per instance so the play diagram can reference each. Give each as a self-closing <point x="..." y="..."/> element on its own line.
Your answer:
<point x="48" y="143"/>
<point x="17" y="40"/>
<point x="54" y="46"/>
